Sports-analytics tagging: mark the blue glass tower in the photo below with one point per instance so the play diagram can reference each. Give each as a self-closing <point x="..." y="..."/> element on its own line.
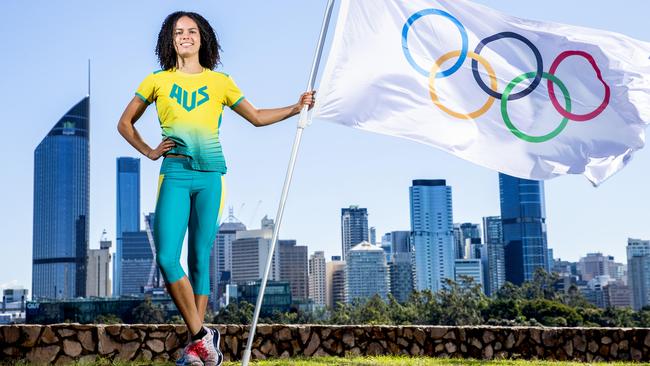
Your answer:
<point x="523" y="219"/>
<point x="128" y="212"/>
<point x="432" y="233"/>
<point x="61" y="206"/>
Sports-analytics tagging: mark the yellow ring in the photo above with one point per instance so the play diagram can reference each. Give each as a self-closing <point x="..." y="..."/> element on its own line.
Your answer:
<point x="432" y="91"/>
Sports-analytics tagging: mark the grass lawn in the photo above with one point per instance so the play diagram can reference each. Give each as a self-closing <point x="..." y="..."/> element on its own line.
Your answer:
<point x="371" y="361"/>
<point x="405" y="361"/>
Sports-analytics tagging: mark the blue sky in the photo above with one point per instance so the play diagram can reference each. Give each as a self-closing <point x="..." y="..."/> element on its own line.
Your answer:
<point x="268" y="48"/>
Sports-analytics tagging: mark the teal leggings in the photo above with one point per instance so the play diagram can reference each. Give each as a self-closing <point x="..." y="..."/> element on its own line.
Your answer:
<point x="188" y="200"/>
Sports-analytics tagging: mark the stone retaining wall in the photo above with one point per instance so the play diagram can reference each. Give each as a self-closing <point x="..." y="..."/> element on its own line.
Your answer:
<point x="63" y="343"/>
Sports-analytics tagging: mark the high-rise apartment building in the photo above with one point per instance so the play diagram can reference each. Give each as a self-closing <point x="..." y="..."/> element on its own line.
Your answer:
<point x="334" y="282"/>
<point x="638" y="271"/>
<point x="317" y="278"/>
<point x="294" y="268"/>
<point x="366" y="273"/>
<point x="221" y="258"/>
<point x="354" y="228"/>
<point x="99" y="268"/>
<point x="250" y="252"/>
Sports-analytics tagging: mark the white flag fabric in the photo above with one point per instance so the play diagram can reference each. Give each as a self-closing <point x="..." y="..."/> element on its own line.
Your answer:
<point x="527" y="98"/>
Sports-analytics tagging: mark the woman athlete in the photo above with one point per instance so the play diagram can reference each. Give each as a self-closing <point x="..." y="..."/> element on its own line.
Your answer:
<point x="190" y="98"/>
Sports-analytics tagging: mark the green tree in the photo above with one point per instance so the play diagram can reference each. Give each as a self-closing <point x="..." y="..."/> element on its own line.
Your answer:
<point x="509" y="291"/>
<point x="341" y="314"/>
<point x="642" y="317"/>
<point x="107" y="319"/>
<point x="551" y="313"/>
<point x="542" y="286"/>
<point x="502" y="311"/>
<point x="234" y="313"/>
<point x="461" y="303"/>
<point x="372" y="311"/>
<point x="425" y="306"/>
<point x="618" y="317"/>
<point x="148" y="313"/>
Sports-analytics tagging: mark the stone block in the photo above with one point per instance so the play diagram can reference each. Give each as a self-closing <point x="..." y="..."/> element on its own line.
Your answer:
<point x="488" y="352"/>
<point x="437" y="332"/>
<point x="65" y="332"/>
<point x="48" y="336"/>
<point x="488" y="337"/>
<point x="114" y="329"/>
<point x="568" y="348"/>
<point x="144" y="355"/>
<point x="11" y="334"/>
<point x="450" y="347"/>
<point x="580" y="343"/>
<point x="257" y="355"/>
<point x="106" y="344"/>
<point x="510" y="341"/>
<point x="284" y="334"/>
<point x="64" y="360"/>
<point x="419" y="335"/>
<point x="30" y="334"/>
<point x="305" y="333"/>
<point x="415" y="350"/>
<point x="129" y="334"/>
<point x="127" y="351"/>
<point x="264" y="330"/>
<point x="71" y="348"/>
<point x="86" y="339"/>
<point x="155" y="345"/>
<point x="313" y="345"/>
<point x="374" y="349"/>
<point x="87" y="359"/>
<point x="172" y="342"/>
<point x="43" y="355"/>
<point x="348" y="339"/>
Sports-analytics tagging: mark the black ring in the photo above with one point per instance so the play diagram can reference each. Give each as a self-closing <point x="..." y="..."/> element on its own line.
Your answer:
<point x="538" y="57"/>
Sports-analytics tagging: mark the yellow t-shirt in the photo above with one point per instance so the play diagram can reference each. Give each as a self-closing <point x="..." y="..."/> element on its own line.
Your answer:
<point x="190" y="107"/>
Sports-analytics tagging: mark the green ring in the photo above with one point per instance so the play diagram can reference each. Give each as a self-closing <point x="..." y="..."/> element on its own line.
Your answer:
<point x="504" y="107"/>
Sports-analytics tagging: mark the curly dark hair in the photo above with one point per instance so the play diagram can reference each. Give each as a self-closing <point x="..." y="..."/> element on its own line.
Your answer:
<point x="208" y="53"/>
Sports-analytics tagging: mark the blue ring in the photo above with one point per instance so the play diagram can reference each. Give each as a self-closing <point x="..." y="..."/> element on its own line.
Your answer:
<point x="407" y="53"/>
<point x="527" y="42"/>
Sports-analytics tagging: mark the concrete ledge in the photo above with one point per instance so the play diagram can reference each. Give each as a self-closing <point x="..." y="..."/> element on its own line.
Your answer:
<point x="64" y="343"/>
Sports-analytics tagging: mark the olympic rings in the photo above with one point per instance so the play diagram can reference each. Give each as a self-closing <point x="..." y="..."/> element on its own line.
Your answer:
<point x="538" y="58"/>
<point x="551" y="91"/>
<point x="491" y="90"/>
<point x="432" y="90"/>
<point x="504" y="107"/>
<point x="463" y="35"/>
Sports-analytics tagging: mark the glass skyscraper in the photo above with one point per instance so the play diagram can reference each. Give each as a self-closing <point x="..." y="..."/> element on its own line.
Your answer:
<point x="354" y="228"/>
<point x="523" y="219"/>
<point x="61" y="206"/>
<point x="432" y="234"/>
<point x="494" y="271"/>
<point x="128" y="211"/>
<point x="140" y="271"/>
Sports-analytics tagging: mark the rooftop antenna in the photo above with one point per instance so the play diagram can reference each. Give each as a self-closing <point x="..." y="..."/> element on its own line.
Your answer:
<point x="88" y="78"/>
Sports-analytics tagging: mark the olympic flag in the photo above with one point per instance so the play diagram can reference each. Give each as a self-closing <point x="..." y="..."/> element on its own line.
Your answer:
<point x="527" y="98"/>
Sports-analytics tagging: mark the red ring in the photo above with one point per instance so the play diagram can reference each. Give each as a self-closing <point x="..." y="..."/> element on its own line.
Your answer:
<point x="556" y="103"/>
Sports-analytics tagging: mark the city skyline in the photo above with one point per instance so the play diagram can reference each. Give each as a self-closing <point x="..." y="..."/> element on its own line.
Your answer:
<point x="579" y="219"/>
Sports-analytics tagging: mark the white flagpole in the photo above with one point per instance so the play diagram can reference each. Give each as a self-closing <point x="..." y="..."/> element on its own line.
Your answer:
<point x="302" y="123"/>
